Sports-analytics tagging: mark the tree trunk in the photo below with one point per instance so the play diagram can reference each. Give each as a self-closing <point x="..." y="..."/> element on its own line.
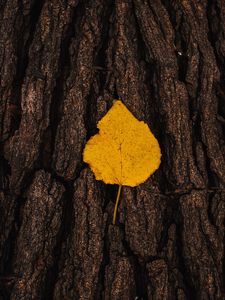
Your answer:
<point x="62" y="63"/>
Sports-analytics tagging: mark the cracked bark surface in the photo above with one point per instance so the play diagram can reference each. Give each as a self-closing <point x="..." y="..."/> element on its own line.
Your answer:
<point x="62" y="63"/>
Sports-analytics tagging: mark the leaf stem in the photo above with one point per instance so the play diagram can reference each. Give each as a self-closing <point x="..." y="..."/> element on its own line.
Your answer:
<point x="116" y="204"/>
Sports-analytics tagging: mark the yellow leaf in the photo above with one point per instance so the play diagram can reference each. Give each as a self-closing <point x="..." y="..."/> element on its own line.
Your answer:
<point x="124" y="152"/>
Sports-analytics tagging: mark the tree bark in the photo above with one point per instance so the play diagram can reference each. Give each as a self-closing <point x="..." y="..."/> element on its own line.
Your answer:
<point x="62" y="63"/>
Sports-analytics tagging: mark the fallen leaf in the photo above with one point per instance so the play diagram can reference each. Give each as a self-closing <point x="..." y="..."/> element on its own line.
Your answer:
<point x="124" y="152"/>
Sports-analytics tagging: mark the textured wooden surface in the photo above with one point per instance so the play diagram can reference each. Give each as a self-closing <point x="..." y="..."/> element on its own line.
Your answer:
<point x="61" y="65"/>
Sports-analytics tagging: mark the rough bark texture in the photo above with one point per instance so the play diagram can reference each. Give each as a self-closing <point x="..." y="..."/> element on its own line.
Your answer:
<point x="61" y="65"/>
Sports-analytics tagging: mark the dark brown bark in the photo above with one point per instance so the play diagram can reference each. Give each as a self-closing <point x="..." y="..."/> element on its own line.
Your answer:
<point x="62" y="63"/>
